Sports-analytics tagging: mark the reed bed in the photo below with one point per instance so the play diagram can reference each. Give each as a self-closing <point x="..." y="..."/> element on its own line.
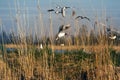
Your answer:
<point x="87" y="55"/>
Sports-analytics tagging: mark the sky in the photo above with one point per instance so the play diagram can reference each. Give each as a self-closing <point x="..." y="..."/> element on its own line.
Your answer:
<point x="28" y="13"/>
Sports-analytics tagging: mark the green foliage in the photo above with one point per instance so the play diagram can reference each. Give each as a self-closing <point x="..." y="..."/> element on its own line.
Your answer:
<point x="71" y="63"/>
<point x="38" y="53"/>
<point x="115" y="56"/>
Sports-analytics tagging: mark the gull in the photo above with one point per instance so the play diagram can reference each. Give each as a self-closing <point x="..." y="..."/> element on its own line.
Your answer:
<point x="50" y="10"/>
<point x="61" y="32"/>
<point x="82" y="17"/>
<point x="60" y="35"/>
<point x="62" y="10"/>
<point x="62" y="44"/>
<point x="64" y="27"/>
<point x="113" y="31"/>
<point x="113" y="37"/>
<point x="41" y="46"/>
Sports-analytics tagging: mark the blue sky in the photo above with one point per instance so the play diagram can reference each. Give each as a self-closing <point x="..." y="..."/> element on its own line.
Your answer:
<point x="90" y="8"/>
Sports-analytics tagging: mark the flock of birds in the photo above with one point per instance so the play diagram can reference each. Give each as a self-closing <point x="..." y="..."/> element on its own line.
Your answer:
<point x="61" y="32"/>
<point x="62" y="11"/>
<point x="62" y="29"/>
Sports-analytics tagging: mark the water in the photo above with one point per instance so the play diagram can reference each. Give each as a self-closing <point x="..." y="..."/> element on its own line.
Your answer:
<point x="10" y="50"/>
<point x="60" y="51"/>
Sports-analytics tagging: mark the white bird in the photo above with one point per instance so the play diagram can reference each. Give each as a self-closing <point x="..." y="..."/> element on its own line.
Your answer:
<point x="60" y="35"/>
<point x="41" y="46"/>
<point x="62" y="44"/>
<point x="113" y="37"/>
<point x="62" y="11"/>
<point x="61" y="32"/>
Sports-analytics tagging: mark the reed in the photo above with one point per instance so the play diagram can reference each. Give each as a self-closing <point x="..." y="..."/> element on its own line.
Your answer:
<point x="88" y="56"/>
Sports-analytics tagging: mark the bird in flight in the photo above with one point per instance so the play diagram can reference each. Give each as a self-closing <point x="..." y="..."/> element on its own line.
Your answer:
<point x="113" y="33"/>
<point x="60" y="35"/>
<point x="50" y="10"/>
<point x="82" y="17"/>
<point x="61" y="32"/>
<point x="63" y="12"/>
<point x="64" y="27"/>
<point x="113" y="37"/>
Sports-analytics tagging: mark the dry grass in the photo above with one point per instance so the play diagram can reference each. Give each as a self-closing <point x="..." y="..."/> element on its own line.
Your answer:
<point x="24" y="65"/>
<point x="88" y="59"/>
<point x="72" y="47"/>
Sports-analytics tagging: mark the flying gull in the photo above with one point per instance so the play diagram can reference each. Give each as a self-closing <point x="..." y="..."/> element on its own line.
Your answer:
<point x="50" y="10"/>
<point x="63" y="12"/>
<point x="113" y="37"/>
<point x="61" y="32"/>
<point x="64" y="27"/>
<point x="82" y="17"/>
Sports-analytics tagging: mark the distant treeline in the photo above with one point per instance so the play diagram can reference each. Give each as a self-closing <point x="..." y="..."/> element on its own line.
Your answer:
<point x="82" y="38"/>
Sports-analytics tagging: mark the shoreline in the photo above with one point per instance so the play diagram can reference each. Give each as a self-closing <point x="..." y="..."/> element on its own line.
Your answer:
<point x="72" y="47"/>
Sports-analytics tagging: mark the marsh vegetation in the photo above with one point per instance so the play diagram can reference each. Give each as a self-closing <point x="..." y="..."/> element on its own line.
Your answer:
<point x="87" y="53"/>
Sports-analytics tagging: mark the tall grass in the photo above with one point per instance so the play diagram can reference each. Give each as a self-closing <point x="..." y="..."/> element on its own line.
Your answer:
<point x="92" y="59"/>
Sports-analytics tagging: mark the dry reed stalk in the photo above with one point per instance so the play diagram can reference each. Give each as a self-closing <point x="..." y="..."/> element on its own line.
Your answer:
<point x="76" y="32"/>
